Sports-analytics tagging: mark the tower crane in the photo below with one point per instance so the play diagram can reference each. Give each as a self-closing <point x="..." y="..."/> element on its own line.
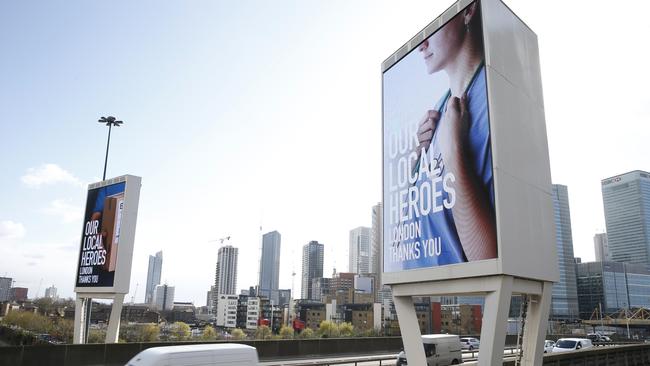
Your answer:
<point x="134" y="293"/>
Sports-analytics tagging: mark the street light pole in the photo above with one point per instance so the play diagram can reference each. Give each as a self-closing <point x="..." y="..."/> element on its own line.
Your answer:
<point x="109" y="121"/>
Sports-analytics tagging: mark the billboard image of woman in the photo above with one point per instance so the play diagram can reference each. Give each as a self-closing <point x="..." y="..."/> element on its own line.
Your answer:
<point x="438" y="175"/>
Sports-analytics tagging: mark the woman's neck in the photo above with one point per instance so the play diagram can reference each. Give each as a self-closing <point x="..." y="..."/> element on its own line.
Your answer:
<point x="462" y="71"/>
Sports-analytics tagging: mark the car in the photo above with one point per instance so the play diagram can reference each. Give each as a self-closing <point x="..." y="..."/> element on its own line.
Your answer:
<point x="597" y="337"/>
<point x="439" y="349"/>
<point x="571" y="344"/>
<point x="224" y="354"/>
<point x="604" y="338"/>
<point x="470" y="343"/>
<point x="548" y="346"/>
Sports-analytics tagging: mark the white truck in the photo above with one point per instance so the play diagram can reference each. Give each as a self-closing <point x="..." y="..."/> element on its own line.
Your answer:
<point x="439" y="349"/>
<point x="217" y="354"/>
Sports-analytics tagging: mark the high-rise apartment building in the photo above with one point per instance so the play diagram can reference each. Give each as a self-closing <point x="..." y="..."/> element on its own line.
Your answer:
<point x="51" y="292"/>
<point x="377" y="251"/>
<point x="153" y="276"/>
<point x="564" y="303"/>
<point x="163" y="297"/>
<point x="225" y="281"/>
<point x="601" y="248"/>
<point x="269" y="281"/>
<point x="626" y="199"/>
<point x="376" y="242"/>
<point x="359" y="254"/>
<point x="5" y="287"/>
<point x="313" y="255"/>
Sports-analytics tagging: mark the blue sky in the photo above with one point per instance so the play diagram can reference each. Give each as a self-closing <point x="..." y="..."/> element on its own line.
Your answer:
<point x="246" y="113"/>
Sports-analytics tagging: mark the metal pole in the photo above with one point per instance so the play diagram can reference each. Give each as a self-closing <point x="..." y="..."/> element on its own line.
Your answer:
<point x="88" y="309"/>
<point x="107" y="145"/>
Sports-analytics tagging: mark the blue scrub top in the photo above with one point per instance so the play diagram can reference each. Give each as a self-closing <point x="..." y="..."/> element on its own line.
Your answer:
<point x="441" y="224"/>
<point x="107" y="191"/>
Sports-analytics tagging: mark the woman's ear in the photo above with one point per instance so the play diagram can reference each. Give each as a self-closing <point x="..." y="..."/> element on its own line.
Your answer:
<point x="469" y="13"/>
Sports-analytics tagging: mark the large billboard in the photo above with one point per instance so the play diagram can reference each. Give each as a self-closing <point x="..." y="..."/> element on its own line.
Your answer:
<point x="107" y="236"/>
<point x="439" y="188"/>
<point x="466" y="174"/>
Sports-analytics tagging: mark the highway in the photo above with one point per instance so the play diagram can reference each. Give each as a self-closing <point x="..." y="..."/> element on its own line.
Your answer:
<point x="469" y="358"/>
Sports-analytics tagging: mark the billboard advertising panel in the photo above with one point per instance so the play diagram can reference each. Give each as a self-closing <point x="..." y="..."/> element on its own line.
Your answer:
<point x="439" y="202"/>
<point x="104" y="261"/>
<point x="466" y="172"/>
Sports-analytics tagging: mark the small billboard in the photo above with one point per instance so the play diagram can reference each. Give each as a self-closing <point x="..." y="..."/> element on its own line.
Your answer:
<point x="105" y="254"/>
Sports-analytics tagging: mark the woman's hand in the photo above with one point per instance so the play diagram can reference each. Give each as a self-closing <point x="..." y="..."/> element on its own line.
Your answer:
<point x="425" y="130"/>
<point x="452" y="136"/>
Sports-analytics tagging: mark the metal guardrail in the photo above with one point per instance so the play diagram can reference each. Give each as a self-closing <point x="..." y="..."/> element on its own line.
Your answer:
<point x="390" y="360"/>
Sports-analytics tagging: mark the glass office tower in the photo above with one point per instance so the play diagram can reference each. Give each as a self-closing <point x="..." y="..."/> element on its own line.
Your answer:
<point x="626" y="199"/>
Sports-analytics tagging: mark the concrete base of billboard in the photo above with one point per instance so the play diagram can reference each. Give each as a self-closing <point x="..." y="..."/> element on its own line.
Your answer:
<point x="80" y="315"/>
<point x="497" y="291"/>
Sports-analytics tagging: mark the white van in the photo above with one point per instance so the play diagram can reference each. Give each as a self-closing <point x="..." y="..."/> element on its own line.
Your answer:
<point x="218" y="354"/>
<point x="571" y="344"/>
<point x="439" y="349"/>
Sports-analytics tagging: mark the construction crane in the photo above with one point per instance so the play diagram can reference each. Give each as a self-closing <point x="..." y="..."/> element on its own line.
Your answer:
<point x="221" y="240"/>
<point x="134" y="292"/>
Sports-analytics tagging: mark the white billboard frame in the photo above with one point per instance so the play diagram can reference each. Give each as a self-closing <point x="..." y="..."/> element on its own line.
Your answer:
<point x="124" y="261"/>
<point x="122" y="279"/>
<point x="523" y="193"/>
<point x="526" y="261"/>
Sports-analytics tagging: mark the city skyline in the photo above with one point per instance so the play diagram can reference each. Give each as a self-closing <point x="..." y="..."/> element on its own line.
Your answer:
<point x="184" y="81"/>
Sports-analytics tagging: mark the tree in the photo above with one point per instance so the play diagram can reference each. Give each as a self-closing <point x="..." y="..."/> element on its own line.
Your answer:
<point x="46" y="305"/>
<point x="179" y="331"/>
<point x="328" y="329"/>
<point x="63" y="330"/>
<point x="97" y="336"/>
<point x="149" y="332"/>
<point x="238" y="334"/>
<point x="306" y="334"/>
<point x="209" y="334"/>
<point x="346" y="330"/>
<point x="263" y="332"/>
<point x="29" y="321"/>
<point x="286" y="332"/>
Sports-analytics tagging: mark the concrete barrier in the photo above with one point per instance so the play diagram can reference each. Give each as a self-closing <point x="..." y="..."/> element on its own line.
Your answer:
<point x="628" y="355"/>
<point x="114" y="354"/>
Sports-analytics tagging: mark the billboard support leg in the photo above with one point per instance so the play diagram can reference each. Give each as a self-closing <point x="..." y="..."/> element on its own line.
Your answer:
<point x="495" y="318"/>
<point x="112" y="333"/>
<point x="410" y="329"/>
<point x="79" y="320"/>
<point x="537" y="316"/>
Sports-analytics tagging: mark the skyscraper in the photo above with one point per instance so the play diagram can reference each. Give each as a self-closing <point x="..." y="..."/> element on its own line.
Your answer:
<point x="163" y="298"/>
<point x="225" y="281"/>
<point x="313" y="255"/>
<point x="269" y="281"/>
<point x="5" y="286"/>
<point x="359" y="255"/>
<point x="601" y="248"/>
<point x="51" y="292"/>
<point x="626" y="199"/>
<point x="376" y="242"/>
<point x="153" y="276"/>
<point x="564" y="303"/>
<point x="377" y="251"/>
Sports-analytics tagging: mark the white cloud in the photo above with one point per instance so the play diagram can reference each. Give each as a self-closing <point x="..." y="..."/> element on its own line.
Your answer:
<point x="68" y="212"/>
<point x="11" y="230"/>
<point x="49" y="174"/>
